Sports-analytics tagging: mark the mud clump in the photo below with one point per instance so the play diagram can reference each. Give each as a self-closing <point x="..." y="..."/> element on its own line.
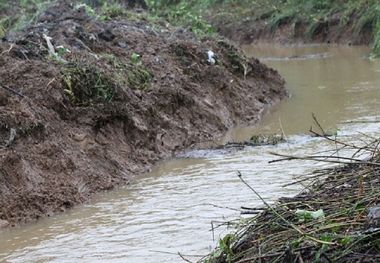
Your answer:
<point x="109" y="100"/>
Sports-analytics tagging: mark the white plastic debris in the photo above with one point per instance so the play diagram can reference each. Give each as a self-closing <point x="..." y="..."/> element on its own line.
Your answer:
<point x="307" y="215"/>
<point x="211" y="57"/>
<point x="51" y="49"/>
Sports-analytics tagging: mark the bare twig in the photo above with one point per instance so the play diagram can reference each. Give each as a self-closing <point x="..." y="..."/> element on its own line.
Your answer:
<point x="50" y="82"/>
<point x="8" y="50"/>
<point x="282" y="129"/>
<point x="322" y="158"/>
<point x="281" y="217"/>
<point x="174" y="254"/>
<point x="318" y="124"/>
<point x="12" y="91"/>
<point x="183" y="258"/>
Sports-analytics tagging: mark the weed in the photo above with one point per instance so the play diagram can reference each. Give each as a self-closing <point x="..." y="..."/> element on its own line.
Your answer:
<point x="36" y="128"/>
<point x="184" y="13"/>
<point x="5" y="24"/>
<point x="224" y="249"/>
<point x="139" y="78"/>
<point x="376" y="45"/>
<point x="237" y="60"/>
<point x="2" y="31"/>
<point x="29" y="12"/>
<point x="281" y="18"/>
<point x="112" y="10"/>
<point x="86" y="85"/>
<point x="368" y="19"/>
<point x="136" y="58"/>
<point x="87" y="8"/>
<point x="113" y="61"/>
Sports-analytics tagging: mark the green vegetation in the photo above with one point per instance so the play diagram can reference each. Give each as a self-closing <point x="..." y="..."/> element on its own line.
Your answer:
<point x="16" y="15"/>
<point x="364" y="14"/>
<point x="132" y="72"/>
<point x="86" y="85"/>
<point x="110" y="10"/>
<point x="138" y="76"/>
<point x="188" y="14"/>
<point x="224" y="249"/>
<point x="27" y="13"/>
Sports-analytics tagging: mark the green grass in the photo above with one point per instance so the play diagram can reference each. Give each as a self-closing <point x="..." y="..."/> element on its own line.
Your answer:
<point x="26" y="12"/>
<point x="188" y="14"/>
<point x="275" y="12"/>
<point x="191" y="14"/>
<point x="85" y="85"/>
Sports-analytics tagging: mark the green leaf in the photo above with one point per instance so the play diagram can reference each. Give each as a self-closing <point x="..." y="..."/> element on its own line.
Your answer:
<point x="135" y="58"/>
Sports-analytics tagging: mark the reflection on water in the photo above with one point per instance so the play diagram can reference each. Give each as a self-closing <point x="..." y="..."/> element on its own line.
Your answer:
<point x="170" y="210"/>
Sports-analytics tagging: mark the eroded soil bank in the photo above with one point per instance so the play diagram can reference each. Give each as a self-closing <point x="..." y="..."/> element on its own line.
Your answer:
<point x="115" y="98"/>
<point x="247" y="25"/>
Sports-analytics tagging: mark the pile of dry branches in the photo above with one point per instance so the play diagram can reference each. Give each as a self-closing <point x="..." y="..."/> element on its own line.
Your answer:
<point x="336" y="218"/>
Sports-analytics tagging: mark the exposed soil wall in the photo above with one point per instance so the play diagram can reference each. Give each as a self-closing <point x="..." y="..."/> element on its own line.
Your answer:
<point x="248" y="30"/>
<point x="115" y="99"/>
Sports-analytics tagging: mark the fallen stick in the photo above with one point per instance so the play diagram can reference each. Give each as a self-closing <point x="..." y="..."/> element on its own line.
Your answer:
<point x="322" y="159"/>
<point x="281" y="217"/>
<point x="12" y="91"/>
<point x="8" y="50"/>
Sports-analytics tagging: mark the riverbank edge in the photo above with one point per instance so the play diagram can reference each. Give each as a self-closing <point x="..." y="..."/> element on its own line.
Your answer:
<point x="288" y="33"/>
<point x="252" y="242"/>
<point x="60" y="147"/>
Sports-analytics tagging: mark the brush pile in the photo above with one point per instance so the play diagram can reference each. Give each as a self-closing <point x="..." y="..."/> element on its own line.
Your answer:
<point x="336" y="218"/>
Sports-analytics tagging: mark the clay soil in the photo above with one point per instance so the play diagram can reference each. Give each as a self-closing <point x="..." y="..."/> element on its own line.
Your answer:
<point x="117" y="98"/>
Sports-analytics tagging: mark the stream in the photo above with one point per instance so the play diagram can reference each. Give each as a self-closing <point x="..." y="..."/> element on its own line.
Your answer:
<point x="170" y="209"/>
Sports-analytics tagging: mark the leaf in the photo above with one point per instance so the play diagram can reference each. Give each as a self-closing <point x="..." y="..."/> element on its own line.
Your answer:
<point x="135" y="58"/>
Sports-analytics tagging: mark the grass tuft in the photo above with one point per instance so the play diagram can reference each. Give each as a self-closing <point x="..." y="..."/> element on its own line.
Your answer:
<point x="86" y="85"/>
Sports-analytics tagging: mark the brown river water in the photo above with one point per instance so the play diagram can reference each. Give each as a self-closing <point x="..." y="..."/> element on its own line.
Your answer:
<point x="170" y="210"/>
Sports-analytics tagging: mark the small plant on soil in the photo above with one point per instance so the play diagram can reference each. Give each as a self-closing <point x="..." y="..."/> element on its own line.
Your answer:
<point x="5" y="23"/>
<point x="30" y="10"/>
<point x="138" y="76"/>
<point x="133" y="73"/>
<point x="113" y="61"/>
<point x="85" y="85"/>
<point x="237" y="60"/>
<point x="224" y="249"/>
<point x="112" y="10"/>
<point x="136" y="58"/>
<point x="183" y="13"/>
<point x="88" y="9"/>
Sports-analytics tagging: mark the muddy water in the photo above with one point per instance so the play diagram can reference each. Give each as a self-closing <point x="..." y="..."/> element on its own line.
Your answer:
<point x="170" y="210"/>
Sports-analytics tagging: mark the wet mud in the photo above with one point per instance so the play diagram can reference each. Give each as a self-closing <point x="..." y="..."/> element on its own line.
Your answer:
<point x="86" y="104"/>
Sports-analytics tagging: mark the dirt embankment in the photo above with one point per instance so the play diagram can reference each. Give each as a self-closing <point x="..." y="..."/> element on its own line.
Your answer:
<point x="248" y="30"/>
<point x="115" y="98"/>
